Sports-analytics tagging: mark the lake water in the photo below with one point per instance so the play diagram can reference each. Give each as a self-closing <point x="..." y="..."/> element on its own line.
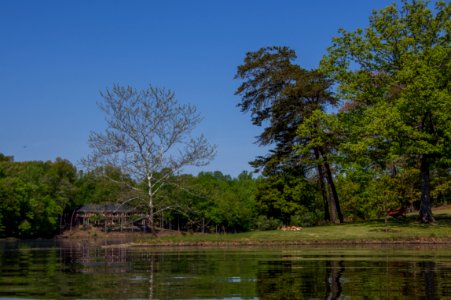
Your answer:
<point x="77" y="270"/>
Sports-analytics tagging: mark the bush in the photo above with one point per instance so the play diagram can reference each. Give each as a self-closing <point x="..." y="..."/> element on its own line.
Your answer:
<point x="306" y="218"/>
<point x="263" y="223"/>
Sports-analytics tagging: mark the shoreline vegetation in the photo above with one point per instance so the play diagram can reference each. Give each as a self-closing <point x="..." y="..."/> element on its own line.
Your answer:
<point x="408" y="230"/>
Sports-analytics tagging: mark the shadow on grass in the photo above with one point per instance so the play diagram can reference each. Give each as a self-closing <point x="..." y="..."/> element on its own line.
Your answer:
<point x="413" y="221"/>
<point x="442" y="219"/>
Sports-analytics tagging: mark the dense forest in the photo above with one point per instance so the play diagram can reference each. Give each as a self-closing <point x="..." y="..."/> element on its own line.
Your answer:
<point x="38" y="198"/>
<point x="368" y="131"/>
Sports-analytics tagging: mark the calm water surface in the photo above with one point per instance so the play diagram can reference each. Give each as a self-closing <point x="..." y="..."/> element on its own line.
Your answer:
<point x="77" y="270"/>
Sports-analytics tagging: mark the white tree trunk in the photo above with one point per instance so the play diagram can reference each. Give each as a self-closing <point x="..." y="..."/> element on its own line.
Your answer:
<point x="150" y="203"/>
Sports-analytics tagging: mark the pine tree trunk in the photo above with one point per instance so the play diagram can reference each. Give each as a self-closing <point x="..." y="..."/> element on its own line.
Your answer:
<point x="322" y="187"/>
<point x="324" y="194"/>
<point x="425" y="206"/>
<point x="332" y="207"/>
<point x="334" y="203"/>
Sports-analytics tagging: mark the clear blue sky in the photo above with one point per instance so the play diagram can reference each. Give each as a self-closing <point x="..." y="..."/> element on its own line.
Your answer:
<point x="55" y="57"/>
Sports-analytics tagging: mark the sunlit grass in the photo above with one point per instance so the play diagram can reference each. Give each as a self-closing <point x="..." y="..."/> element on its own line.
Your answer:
<point x="403" y="230"/>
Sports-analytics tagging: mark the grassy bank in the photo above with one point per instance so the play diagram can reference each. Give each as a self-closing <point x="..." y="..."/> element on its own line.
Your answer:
<point x="405" y="230"/>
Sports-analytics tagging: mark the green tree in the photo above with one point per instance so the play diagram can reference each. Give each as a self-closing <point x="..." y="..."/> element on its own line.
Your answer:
<point x="281" y="95"/>
<point x="289" y="197"/>
<point x="34" y="196"/>
<point x="394" y="76"/>
<point x="222" y="202"/>
<point x="103" y="185"/>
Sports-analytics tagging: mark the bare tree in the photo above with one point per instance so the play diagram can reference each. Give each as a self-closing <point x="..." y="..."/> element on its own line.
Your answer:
<point x="148" y="137"/>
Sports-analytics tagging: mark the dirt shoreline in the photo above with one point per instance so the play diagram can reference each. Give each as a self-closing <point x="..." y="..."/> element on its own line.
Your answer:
<point x="128" y="240"/>
<point x="163" y="244"/>
<point x="94" y="233"/>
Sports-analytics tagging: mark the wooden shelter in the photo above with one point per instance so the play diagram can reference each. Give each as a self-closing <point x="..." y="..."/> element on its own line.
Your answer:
<point x="110" y="216"/>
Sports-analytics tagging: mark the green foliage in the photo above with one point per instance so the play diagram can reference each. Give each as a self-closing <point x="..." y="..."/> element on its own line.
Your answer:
<point x="264" y="223"/>
<point x="37" y="197"/>
<point x="103" y="185"/>
<point x="320" y="130"/>
<point x="282" y="96"/>
<point x="394" y="76"/>
<point x="285" y="195"/>
<point x="213" y="201"/>
<point x="364" y="194"/>
<point x="34" y="196"/>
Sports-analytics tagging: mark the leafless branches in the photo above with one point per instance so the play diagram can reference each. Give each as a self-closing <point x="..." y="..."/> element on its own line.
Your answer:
<point x="148" y="136"/>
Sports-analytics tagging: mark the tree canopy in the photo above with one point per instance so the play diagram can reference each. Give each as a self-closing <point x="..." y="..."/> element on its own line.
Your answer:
<point x="394" y="79"/>
<point x="35" y="197"/>
<point x="281" y="96"/>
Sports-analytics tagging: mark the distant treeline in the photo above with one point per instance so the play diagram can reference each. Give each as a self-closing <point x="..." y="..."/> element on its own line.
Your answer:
<point x="37" y="198"/>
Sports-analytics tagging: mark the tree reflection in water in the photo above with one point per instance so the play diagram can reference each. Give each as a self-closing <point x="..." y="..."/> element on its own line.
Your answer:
<point x="151" y="270"/>
<point x="80" y="270"/>
<point x="429" y="275"/>
<point x="334" y="270"/>
<point x="342" y="277"/>
<point x="299" y="280"/>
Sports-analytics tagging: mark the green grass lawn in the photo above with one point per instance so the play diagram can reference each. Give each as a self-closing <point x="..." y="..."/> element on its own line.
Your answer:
<point x="403" y="230"/>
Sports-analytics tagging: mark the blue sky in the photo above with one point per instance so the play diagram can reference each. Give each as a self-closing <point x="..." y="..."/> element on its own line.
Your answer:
<point x="55" y="57"/>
